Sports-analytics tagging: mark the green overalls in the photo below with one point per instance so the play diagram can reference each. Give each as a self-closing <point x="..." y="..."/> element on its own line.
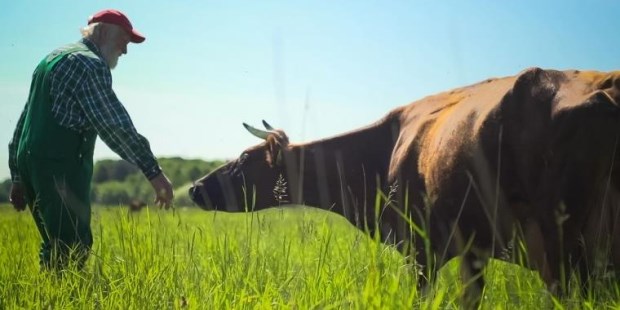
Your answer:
<point x="55" y="165"/>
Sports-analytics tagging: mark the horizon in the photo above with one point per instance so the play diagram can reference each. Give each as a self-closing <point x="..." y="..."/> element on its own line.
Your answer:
<point x="315" y="69"/>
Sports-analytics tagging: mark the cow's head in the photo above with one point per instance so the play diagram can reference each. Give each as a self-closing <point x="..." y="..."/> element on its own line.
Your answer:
<point x="253" y="181"/>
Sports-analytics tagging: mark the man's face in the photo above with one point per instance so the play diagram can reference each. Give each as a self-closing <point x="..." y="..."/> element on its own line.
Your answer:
<point x="114" y="45"/>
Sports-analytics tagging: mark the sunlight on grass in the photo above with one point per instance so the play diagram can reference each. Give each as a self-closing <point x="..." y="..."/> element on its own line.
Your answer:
<point x="293" y="258"/>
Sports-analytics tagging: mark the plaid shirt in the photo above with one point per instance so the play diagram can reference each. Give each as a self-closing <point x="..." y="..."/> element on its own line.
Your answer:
<point x="83" y="99"/>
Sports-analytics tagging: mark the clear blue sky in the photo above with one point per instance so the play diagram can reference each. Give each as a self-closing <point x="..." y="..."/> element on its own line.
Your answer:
<point x="313" y="68"/>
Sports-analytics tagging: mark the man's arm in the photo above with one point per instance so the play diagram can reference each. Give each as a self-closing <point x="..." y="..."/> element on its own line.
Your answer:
<point x="113" y="124"/>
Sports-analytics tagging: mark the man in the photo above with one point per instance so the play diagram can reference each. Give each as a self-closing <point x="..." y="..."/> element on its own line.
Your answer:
<point x="71" y="102"/>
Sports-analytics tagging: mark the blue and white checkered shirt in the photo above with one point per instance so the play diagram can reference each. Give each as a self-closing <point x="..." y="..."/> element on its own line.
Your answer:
<point x="83" y="99"/>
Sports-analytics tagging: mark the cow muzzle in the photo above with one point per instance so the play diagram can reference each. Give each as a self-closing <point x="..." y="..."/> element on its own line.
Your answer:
<point x="200" y="197"/>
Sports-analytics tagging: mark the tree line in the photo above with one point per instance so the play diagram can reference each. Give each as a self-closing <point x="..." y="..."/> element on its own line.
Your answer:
<point x="117" y="182"/>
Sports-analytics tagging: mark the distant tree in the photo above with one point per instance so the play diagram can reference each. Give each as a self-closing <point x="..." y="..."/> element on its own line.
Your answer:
<point x="112" y="170"/>
<point x="101" y="172"/>
<point x="122" y="169"/>
<point x="195" y="173"/>
<point x="113" y="193"/>
<point x="119" y="182"/>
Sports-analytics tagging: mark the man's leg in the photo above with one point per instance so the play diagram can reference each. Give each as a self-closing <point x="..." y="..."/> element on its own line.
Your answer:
<point x="33" y="206"/>
<point x="62" y="207"/>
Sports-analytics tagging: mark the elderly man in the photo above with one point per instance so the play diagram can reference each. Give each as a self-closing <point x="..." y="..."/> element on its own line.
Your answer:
<point x="71" y="102"/>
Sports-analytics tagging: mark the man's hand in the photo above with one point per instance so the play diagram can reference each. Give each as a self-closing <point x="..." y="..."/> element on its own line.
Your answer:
<point x="17" y="197"/>
<point x="163" y="190"/>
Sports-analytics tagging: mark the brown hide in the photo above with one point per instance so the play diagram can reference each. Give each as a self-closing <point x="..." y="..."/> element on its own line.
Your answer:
<point x="136" y="205"/>
<point x="529" y="150"/>
<point x="534" y="152"/>
<point x="341" y="174"/>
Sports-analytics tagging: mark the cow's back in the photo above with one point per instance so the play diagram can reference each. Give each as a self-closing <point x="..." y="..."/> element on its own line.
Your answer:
<point x="509" y="151"/>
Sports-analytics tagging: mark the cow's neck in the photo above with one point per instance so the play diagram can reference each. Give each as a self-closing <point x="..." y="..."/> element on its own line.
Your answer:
<point x="341" y="173"/>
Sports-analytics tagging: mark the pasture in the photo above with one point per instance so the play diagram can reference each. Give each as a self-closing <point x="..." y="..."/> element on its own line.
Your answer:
<point x="281" y="258"/>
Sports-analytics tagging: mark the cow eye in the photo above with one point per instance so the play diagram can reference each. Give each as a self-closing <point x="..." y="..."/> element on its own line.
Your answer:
<point x="243" y="157"/>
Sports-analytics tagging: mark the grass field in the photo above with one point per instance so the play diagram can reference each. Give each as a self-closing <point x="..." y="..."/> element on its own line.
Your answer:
<point x="293" y="258"/>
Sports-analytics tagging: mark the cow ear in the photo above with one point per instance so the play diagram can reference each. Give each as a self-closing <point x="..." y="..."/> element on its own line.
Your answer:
<point x="276" y="142"/>
<point x="274" y="159"/>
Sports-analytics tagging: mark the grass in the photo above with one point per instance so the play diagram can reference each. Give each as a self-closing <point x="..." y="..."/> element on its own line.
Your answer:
<point x="293" y="258"/>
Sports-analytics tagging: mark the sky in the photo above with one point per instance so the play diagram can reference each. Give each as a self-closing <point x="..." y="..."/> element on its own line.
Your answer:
<point x="312" y="68"/>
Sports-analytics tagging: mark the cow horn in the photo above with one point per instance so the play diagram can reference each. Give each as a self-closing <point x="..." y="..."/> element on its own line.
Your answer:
<point x="267" y="126"/>
<point x="256" y="132"/>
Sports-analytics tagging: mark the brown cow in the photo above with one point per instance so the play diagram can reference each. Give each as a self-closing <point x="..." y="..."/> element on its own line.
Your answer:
<point x="465" y="169"/>
<point x="136" y="205"/>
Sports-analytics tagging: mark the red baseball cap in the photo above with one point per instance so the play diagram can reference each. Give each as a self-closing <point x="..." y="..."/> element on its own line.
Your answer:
<point x="116" y="17"/>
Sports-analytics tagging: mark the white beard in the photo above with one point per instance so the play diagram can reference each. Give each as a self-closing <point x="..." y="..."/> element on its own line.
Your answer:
<point x="110" y="56"/>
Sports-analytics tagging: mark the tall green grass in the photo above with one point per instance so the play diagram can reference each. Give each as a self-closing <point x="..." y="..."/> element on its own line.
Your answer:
<point x="288" y="258"/>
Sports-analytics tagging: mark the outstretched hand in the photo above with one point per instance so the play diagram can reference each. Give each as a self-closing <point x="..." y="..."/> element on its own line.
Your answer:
<point x="163" y="191"/>
<point x="16" y="197"/>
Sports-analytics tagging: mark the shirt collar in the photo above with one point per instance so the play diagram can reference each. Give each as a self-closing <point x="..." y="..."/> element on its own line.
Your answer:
<point x="92" y="46"/>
